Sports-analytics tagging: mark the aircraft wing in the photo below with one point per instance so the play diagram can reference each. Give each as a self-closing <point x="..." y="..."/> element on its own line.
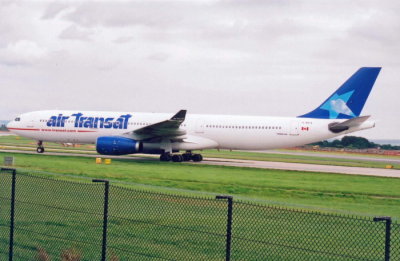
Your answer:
<point x="168" y="128"/>
<point x="337" y="127"/>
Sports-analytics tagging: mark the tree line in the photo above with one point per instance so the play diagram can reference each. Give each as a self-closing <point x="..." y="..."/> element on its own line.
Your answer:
<point x="354" y="142"/>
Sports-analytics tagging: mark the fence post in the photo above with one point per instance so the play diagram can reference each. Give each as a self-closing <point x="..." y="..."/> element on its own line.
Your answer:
<point x="388" y="221"/>
<point x="228" y="226"/>
<point x="105" y="216"/>
<point x="12" y="212"/>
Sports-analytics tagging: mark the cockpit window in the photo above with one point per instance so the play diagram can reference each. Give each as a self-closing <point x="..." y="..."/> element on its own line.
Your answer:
<point x="17" y="119"/>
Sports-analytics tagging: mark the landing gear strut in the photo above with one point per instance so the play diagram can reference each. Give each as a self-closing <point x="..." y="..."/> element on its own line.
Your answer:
<point x="40" y="148"/>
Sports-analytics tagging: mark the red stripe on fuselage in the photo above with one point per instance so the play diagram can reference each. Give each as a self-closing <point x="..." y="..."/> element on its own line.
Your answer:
<point x="49" y="130"/>
<point x="24" y="129"/>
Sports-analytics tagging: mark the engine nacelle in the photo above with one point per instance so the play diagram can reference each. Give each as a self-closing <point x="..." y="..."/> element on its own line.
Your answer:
<point x="111" y="145"/>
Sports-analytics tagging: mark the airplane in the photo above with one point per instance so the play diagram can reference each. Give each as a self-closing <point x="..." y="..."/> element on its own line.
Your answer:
<point x="121" y="133"/>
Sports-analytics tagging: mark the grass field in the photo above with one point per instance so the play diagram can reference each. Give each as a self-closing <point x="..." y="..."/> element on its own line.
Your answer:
<point x="154" y="226"/>
<point x="56" y="215"/>
<point x="329" y="192"/>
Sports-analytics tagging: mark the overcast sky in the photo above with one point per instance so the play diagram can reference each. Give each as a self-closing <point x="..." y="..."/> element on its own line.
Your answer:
<point x="245" y="57"/>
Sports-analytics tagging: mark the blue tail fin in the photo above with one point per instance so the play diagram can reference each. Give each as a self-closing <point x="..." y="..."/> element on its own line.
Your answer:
<point x="347" y="101"/>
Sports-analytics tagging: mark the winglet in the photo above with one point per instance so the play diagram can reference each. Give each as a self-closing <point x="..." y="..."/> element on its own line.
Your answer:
<point x="180" y="116"/>
<point x="347" y="101"/>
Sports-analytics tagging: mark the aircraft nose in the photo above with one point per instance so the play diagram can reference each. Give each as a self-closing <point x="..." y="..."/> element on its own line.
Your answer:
<point x="10" y="125"/>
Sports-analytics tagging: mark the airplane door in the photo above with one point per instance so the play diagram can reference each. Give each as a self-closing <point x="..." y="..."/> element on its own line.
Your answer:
<point x="294" y="128"/>
<point x="200" y="126"/>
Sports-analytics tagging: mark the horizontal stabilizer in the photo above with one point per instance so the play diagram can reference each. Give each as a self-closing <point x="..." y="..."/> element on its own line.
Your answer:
<point x="337" y="127"/>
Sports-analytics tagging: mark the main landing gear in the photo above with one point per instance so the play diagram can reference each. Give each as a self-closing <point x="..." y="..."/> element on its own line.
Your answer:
<point x="40" y="148"/>
<point x="187" y="156"/>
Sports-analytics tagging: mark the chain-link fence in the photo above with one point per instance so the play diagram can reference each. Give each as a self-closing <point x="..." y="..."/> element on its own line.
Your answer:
<point x="46" y="219"/>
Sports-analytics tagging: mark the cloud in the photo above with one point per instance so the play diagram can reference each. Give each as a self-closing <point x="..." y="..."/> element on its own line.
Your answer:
<point x="23" y="52"/>
<point x="124" y="14"/>
<point x="161" y="57"/>
<point x="124" y="39"/>
<point x="380" y="27"/>
<point x="270" y="54"/>
<point x="74" y="33"/>
<point x="53" y="9"/>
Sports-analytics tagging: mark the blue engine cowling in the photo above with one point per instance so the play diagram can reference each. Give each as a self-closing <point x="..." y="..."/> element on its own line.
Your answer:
<point x="111" y="145"/>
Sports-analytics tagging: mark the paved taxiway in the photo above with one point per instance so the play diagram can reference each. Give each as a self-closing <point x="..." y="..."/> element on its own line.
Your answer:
<point x="6" y="134"/>
<point x="319" y="154"/>
<point x="394" y="173"/>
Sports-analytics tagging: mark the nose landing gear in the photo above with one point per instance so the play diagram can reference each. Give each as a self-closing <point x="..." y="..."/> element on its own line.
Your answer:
<point x="40" y="148"/>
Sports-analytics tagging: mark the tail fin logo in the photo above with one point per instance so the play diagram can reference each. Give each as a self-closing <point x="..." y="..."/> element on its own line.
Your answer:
<point x="337" y="104"/>
<point x="348" y="101"/>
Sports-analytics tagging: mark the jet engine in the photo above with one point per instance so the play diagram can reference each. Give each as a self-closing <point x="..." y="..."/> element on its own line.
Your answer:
<point x="111" y="145"/>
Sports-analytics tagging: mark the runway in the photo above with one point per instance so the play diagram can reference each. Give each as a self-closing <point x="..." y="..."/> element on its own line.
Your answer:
<point x="369" y="157"/>
<point x="392" y="173"/>
<point x="6" y="134"/>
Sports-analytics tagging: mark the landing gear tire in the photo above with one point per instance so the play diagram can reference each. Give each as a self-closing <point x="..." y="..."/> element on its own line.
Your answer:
<point x="165" y="157"/>
<point x="187" y="156"/>
<point x="197" y="157"/>
<point x="40" y="148"/>
<point x="177" y="158"/>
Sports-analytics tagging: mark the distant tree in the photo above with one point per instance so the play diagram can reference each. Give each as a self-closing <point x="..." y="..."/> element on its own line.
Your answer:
<point x="389" y="147"/>
<point x="325" y="143"/>
<point x="337" y="144"/>
<point x="355" y="142"/>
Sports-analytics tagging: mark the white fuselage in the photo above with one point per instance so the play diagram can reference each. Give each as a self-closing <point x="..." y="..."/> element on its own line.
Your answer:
<point x="207" y="131"/>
